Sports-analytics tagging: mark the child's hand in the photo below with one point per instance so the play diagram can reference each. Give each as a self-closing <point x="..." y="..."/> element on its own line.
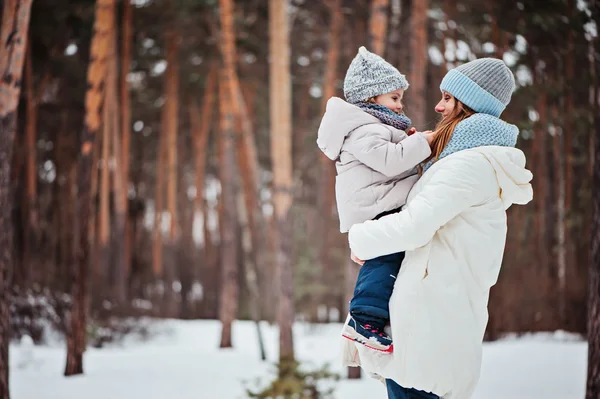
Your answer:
<point x="356" y="260"/>
<point x="411" y="131"/>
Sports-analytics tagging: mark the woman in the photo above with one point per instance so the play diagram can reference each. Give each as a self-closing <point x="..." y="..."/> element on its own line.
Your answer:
<point x="453" y="230"/>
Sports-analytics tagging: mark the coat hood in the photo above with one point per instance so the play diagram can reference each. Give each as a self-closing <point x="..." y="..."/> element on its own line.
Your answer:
<point x="339" y="120"/>
<point x="514" y="179"/>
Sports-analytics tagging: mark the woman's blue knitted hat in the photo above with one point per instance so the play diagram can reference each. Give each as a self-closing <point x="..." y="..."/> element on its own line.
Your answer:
<point x="484" y="85"/>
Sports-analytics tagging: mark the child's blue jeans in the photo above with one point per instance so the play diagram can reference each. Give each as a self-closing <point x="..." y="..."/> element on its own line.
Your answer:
<point x="395" y="391"/>
<point x="374" y="286"/>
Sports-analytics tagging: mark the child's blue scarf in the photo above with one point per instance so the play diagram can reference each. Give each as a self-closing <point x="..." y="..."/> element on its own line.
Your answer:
<point x="479" y="130"/>
<point x="385" y="115"/>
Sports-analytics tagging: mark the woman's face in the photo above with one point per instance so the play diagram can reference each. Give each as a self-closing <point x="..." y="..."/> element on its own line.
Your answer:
<point x="392" y="100"/>
<point x="446" y="104"/>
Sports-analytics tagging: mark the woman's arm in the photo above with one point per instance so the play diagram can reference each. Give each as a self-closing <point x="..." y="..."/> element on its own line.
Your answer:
<point x="462" y="182"/>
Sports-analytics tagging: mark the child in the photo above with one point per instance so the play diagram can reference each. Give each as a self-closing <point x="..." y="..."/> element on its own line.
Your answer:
<point x="376" y="168"/>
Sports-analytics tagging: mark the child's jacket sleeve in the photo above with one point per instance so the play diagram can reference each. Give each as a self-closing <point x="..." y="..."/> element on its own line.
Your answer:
<point x="373" y="146"/>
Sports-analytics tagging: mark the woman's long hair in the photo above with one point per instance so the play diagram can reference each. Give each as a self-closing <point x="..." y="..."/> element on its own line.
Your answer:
<point x="445" y="128"/>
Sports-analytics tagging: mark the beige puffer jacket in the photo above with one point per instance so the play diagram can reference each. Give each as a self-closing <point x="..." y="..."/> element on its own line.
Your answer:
<point x="376" y="163"/>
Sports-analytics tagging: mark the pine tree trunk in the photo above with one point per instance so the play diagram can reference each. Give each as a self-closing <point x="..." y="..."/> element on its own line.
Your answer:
<point x="126" y="39"/>
<point x="118" y="237"/>
<point x="378" y="26"/>
<point x="561" y="224"/>
<point x="157" y="236"/>
<point x="201" y="130"/>
<point x="540" y="162"/>
<point x="326" y="192"/>
<point x="200" y="133"/>
<point x="96" y="77"/>
<point x="593" y="327"/>
<point x="172" y="108"/>
<point x="248" y="163"/>
<point x="228" y="221"/>
<point x="419" y="62"/>
<point x="104" y="266"/>
<point x="30" y="206"/>
<point x="280" y="105"/>
<point x="15" y="23"/>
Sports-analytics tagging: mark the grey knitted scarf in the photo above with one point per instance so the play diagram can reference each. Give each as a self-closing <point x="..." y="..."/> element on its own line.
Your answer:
<point x="385" y="115"/>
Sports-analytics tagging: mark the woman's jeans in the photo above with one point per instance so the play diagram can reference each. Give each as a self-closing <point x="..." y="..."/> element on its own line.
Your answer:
<point x="395" y="391"/>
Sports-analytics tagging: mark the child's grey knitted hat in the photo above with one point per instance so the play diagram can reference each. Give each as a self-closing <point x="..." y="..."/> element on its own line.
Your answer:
<point x="369" y="75"/>
<point x="484" y="85"/>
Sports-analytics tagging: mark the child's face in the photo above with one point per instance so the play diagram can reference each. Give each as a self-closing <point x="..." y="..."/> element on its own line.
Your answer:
<point x="392" y="100"/>
<point x="446" y="104"/>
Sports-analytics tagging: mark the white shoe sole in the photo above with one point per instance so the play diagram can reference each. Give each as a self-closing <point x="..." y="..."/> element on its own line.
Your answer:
<point x="351" y="334"/>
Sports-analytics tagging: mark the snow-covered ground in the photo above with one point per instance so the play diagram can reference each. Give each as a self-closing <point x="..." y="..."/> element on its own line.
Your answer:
<point x="183" y="362"/>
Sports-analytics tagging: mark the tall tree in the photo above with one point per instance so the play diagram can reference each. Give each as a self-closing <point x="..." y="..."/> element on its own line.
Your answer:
<point x="254" y="242"/>
<point x="593" y="333"/>
<point x="103" y="262"/>
<point x="378" y="26"/>
<point x="15" y="23"/>
<point x="31" y="228"/>
<point x="96" y="77"/>
<point x="200" y="132"/>
<point x="171" y="110"/>
<point x="419" y="62"/>
<point x="126" y="39"/>
<point x="157" y="235"/>
<point x="593" y="316"/>
<point x="119" y="273"/>
<point x="228" y="220"/>
<point x="326" y="193"/>
<point x="280" y="104"/>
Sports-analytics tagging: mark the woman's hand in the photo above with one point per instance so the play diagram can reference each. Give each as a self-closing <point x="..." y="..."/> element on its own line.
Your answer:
<point x="355" y="259"/>
<point x="429" y="136"/>
<point x="411" y="131"/>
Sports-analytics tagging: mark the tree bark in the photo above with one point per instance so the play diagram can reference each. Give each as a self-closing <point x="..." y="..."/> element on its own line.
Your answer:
<point x="171" y="108"/>
<point x="96" y="77"/>
<point x="253" y="244"/>
<point x="201" y="130"/>
<point x="281" y="154"/>
<point x="593" y="327"/>
<point x="378" y="26"/>
<point x="118" y="237"/>
<point x="540" y="162"/>
<point x="559" y="152"/>
<point x="126" y="39"/>
<point x="30" y="228"/>
<point x="103" y="263"/>
<point x="419" y="62"/>
<point x="13" y="34"/>
<point x="326" y="192"/>
<point x="228" y="223"/>
<point x="157" y="236"/>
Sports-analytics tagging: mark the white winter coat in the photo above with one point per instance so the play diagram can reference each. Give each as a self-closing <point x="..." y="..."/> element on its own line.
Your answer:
<point x="453" y="230"/>
<point x="375" y="162"/>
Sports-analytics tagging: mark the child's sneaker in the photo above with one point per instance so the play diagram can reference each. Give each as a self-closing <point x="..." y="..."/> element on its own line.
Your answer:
<point x="368" y="336"/>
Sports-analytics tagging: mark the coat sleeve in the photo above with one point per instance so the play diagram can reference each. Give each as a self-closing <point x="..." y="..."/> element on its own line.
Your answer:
<point x="463" y="182"/>
<point x="378" y="152"/>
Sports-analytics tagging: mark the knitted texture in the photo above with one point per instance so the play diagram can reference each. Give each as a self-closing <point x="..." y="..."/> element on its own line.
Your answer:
<point x="386" y="115"/>
<point x="369" y="75"/>
<point x="484" y="85"/>
<point x="479" y="130"/>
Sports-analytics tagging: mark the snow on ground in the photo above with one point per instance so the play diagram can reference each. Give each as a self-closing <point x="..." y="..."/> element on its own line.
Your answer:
<point x="184" y="362"/>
